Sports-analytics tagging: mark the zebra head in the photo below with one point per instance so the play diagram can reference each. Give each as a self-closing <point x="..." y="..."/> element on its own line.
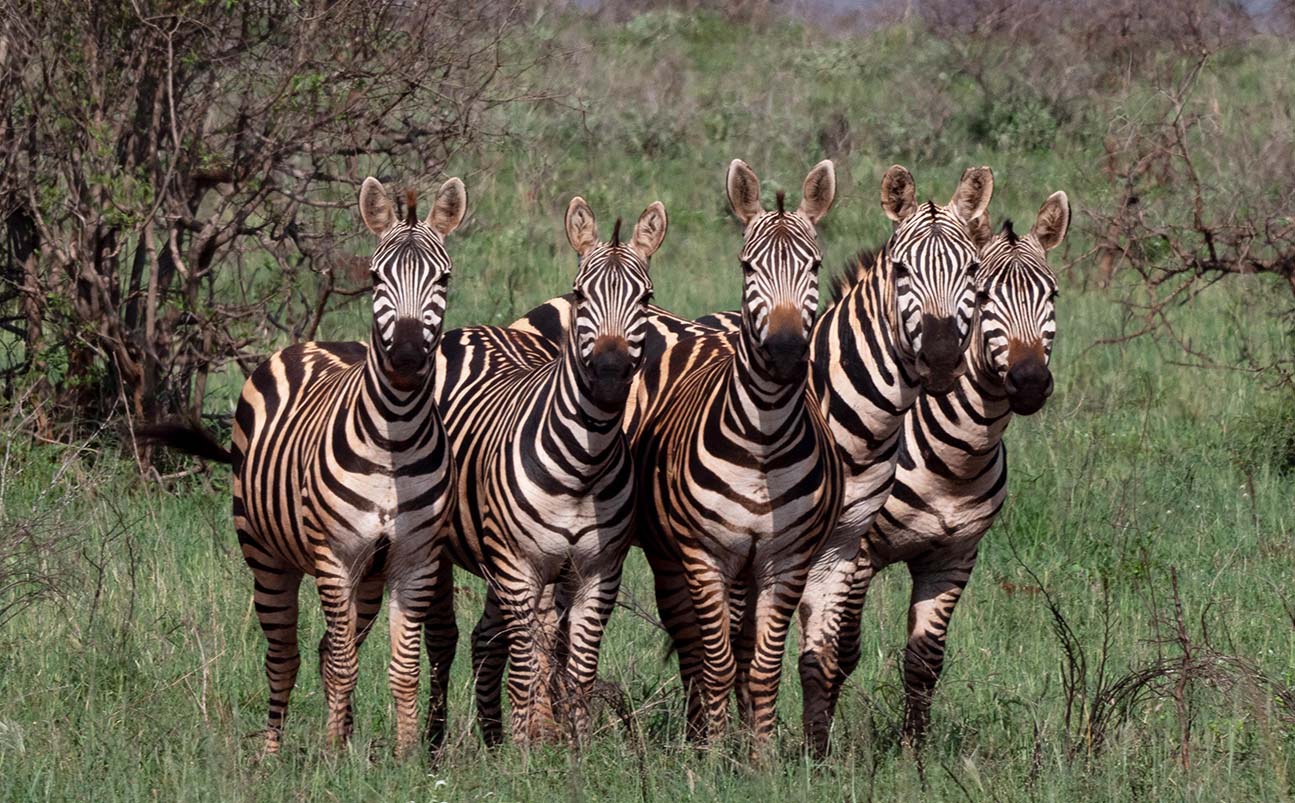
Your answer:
<point x="780" y="260"/>
<point x="410" y="271"/>
<point x="612" y="290"/>
<point x="1016" y="302"/>
<point x="933" y="260"/>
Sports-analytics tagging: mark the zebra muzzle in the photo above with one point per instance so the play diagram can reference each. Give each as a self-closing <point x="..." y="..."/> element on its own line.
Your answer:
<point x="787" y="353"/>
<point x="611" y="368"/>
<point x="939" y="361"/>
<point x="1028" y="384"/>
<point x="408" y="353"/>
<point x="786" y="346"/>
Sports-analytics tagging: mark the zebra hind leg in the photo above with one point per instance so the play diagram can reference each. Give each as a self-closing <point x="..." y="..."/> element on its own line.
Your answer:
<point x="489" y="657"/>
<point x="674" y="606"/>
<point x="441" y="636"/>
<point x="521" y="598"/>
<point x="275" y="599"/>
<point x="851" y="631"/>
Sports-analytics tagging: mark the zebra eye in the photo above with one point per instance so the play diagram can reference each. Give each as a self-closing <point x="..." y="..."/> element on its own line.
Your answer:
<point x="747" y="270"/>
<point x="818" y="263"/>
<point x="972" y="268"/>
<point x="1054" y="295"/>
<point x="982" y="296"/>
<point x="648" y="296"/>
<point x="901" y="270"/>
<point x="578" y="293"/>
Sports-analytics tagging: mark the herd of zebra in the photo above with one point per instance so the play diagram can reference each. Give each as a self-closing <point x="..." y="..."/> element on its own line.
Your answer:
<point x="767" y="461"/>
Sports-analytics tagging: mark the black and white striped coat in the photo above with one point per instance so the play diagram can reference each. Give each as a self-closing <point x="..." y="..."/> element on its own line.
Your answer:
<point x="342" y="471"/>
<point x="545" y="483"/>
<point x="951" y="479"/>
<point x="903" y="325"/>
<point x="738" y="476"/>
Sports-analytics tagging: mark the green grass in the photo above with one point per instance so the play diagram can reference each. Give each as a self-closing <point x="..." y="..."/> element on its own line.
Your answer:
<point x="143" y="679"/>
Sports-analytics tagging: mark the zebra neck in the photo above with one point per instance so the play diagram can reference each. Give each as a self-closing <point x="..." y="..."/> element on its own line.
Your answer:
<point x="579" y="435"/>
<point x="985" y="412"/>
<point x="386" y="418"/>
<point x="759" y="409"/>
<point x="964" y="428"/>
<point x="864" y="383"/>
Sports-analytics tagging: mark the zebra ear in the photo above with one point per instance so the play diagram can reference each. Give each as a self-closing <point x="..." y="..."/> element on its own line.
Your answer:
<point x="743" y="191"/>
<point x="975" y="188"/>
<point x="582" y="231"/>
<point x="649" y="232"/>
<point x="1053" y="221"/>
<point x="981" y="233"/>
<point x="898" y="194"/>
<point x="375" y="206"/>
<point x="819" y="191"/>
<point x="448" y="209"/>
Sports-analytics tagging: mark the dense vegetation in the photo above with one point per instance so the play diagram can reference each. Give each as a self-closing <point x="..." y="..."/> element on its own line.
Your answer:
<point x="1130" y="630"/>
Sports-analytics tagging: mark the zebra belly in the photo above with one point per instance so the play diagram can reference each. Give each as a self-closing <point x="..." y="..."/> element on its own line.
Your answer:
<point x="757" y="535"/>
<point x="865" y="493"/>
<point x="943" y="522"/>
<point x="582" y="531"/>
<point x="384" y="519"/>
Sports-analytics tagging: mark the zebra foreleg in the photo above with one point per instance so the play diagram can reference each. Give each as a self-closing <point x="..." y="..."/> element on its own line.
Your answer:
<point x="742" y="634"/>
<point x="709" y="593"/>
<point x="935" y="594"/>
<point x="341" y="668"/>
<point x="824" y="611"/>
<point x="591" y="601"/>
<point x="368" y="601"/>
<point x="413" y="580"/>
<point x="775" y="605"/>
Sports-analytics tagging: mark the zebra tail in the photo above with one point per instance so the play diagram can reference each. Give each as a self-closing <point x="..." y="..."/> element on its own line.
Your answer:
<point x="189" y="438"/>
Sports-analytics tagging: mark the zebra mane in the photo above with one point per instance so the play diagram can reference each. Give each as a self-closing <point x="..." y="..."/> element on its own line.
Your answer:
<point x="411" y="207"/>
<point x="1007" y="229"/>
<point x="782" y="197"/>
<point x="616" y="233"/>
<point x="853" y="272"/>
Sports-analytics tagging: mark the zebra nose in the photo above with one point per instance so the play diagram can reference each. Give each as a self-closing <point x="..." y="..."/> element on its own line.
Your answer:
<point x="786" y="352"/>
<point x="611" y="367"/>
<point x="1028" y="385"/>
<point x="939" y="360"/>
<point x="408" y="353"/>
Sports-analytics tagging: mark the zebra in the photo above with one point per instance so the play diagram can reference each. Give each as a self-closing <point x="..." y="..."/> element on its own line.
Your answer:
<point x="545" y="485"/>
<point x="738" y="476"/>
<point x="902" y="325"/>
<point x="952" y="467"/>
<point x="342" y="471"/>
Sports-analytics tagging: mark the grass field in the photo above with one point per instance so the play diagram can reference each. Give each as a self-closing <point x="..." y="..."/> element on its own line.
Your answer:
<point x="142" y="678"/>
